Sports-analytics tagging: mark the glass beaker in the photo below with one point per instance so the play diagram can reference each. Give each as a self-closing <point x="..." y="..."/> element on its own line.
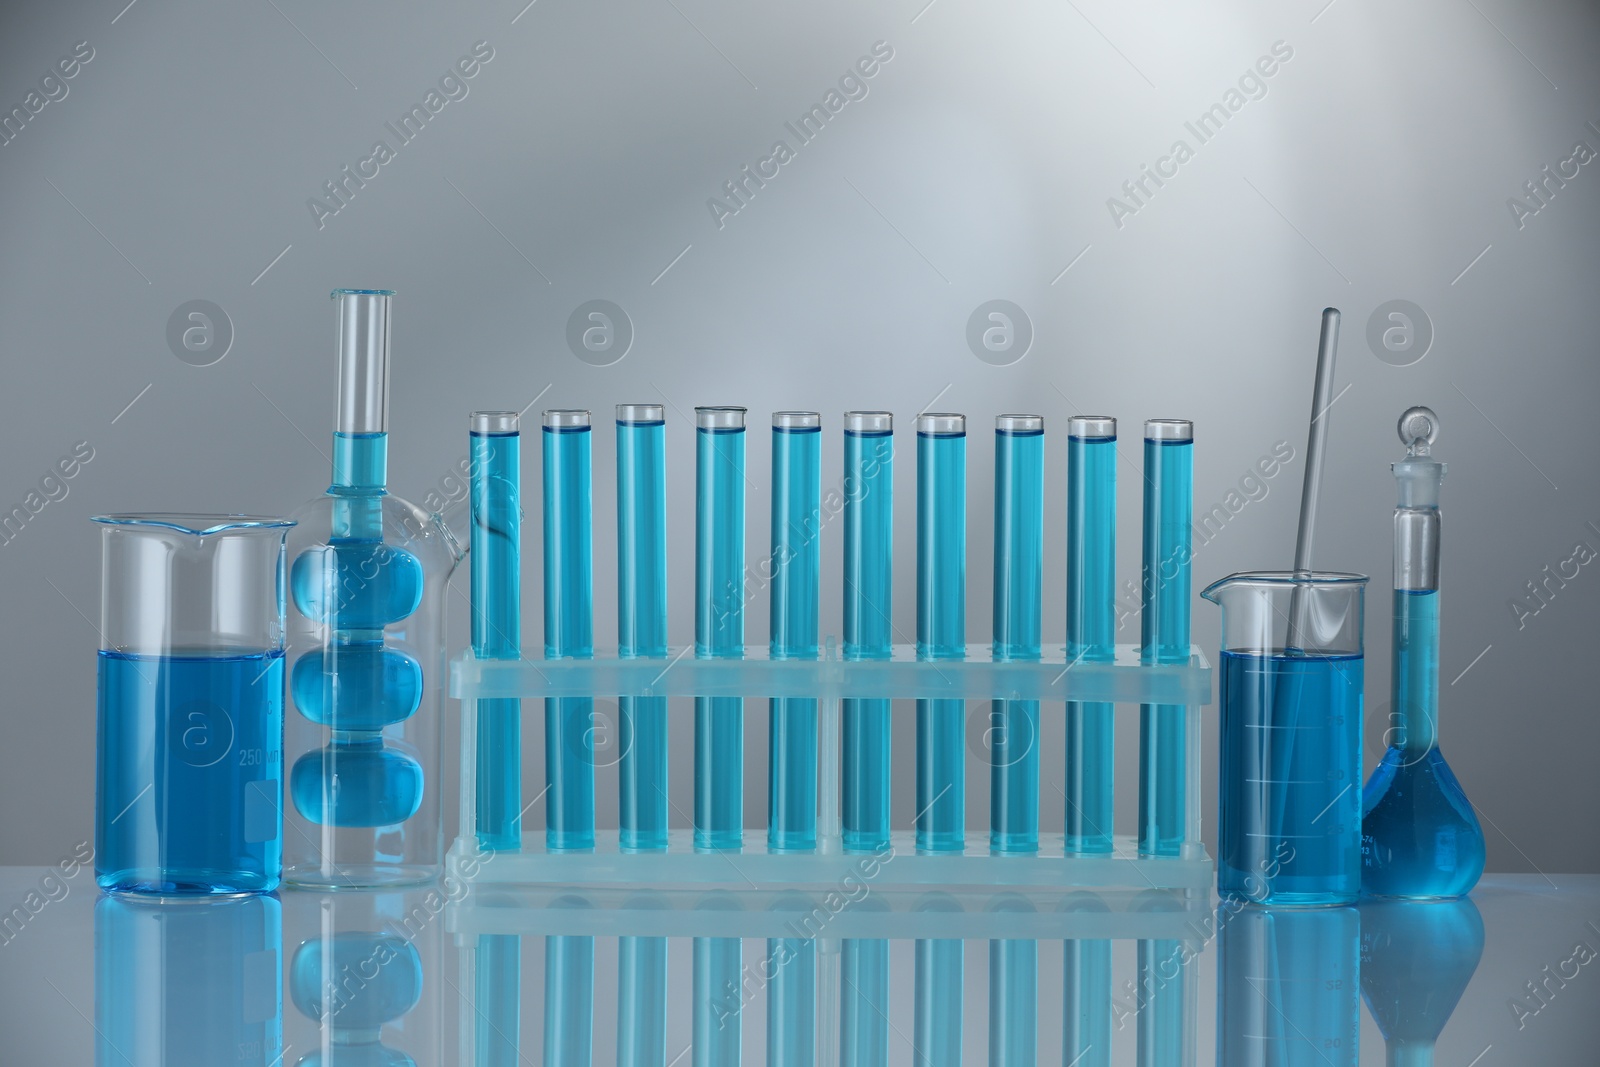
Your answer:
<point x="190" y="732"/>
<point x="1289" y="811"/>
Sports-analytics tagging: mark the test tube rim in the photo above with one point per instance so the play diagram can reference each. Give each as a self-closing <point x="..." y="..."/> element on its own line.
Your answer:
<point x="796" y="422"/>
<point x="566" y="420"/>
<point x="1091" y="428"/>
<point x="720" y="418"/>
<point x="641" y="414"/>
<point x="1019" y="425"/>
<point x="496" y="423"/>
<point x="337" y="293"/>
<point x="941" y="424"/>
<point x="868" y="423"/>
<point x="1169" y="431"/>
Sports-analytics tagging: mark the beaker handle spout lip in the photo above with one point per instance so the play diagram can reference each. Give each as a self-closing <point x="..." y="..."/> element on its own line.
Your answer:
<point x="1213" y="591"/>
<point x="198" y="525"/>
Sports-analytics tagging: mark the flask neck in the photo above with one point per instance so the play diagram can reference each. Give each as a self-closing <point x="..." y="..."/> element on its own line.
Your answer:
<point x="1414" y="690"/>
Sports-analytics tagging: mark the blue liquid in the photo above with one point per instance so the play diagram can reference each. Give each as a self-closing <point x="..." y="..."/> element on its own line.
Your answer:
<point x="792" y="1002"/>
<point x="1420" y="837"/>
<point x="1091" y="637"/>
<point x="497" y="996"/>
<point x="190" y="760"/>
<point x="936" y="1020"/>
<point x="1288" y="984"/>
<point x="941" y="634"/>
<point x="796" y="584"/>
<point x="718" y="1003"/>
<point x="1289" y="825"/>
<point x="864" y="1003"/>
<point x="1162" y="974"/>
<point x="1164" y="622"/>
<point x="1086" y="994"/>
<point x="569" y="1001"/>
<point x="1013" y="995"/>
<point x="641" y="1002"/>
<point x="192" y="983"/>
<point x="642" y="629"/>
<point x="1018" y="586"/>
<point x="868" y="634"/>
<point x="391" y="983"/>
<point x="496" y="562"/>
<point x="355" y="686"/>
<point x="568" y="633"/>
<point x="719" y="633"/>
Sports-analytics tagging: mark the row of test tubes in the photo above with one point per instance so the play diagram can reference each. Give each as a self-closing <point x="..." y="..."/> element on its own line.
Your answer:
<point x="722" y="585"/>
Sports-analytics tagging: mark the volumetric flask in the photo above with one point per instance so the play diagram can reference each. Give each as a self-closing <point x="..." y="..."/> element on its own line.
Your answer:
<point x="190" y="758"/>
<point x="1289" y="812"/>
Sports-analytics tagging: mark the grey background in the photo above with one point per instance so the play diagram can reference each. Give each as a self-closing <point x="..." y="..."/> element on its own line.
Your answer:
<point x="978" y="167"/>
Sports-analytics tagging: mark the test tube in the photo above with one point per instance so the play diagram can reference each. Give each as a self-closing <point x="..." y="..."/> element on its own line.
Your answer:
<point x="1086" y="991"/>
<point x="1018" y="585"/>
<point x="568" y="626"/>
<point x="796" y="577"/>
<point x="642" y="621"/>
<point x="719" y="623"/>
<point x="718" y="989"/>
<point x="641" y="1002"/>
<point x="941" y="626"/>
<point x="868" y="634"/>
<point x="792" y="1001"/>
<point x="864" y="1002"/>
<point x="938" y="976"/>
<point x="1013" y="997"/>
<point x="1164" y="618"/>
<point x="569" y="1000"/>
<point x="1091" y="627"/>
<point x="495" y="444"/>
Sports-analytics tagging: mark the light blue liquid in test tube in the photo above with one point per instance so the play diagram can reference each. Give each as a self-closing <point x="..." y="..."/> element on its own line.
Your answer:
<point x="941" y="626"/>
<point x="796" y="584"/>
<point x="568" y="625"/>
<point x="1164" y="619"/>
<point x="868" y="633"/>
<point x="569" y="1000"/>
<point x="1018" y="586"/>
<point x="642" y="620"/>
<point x="937" y="994"/>
<point x="1013" y="996"/>
<point x="496" y="560"/>
<point x="717" y="994"/>
<point x="864" y="1002"/>
<point x="719" y="451"/>
<point x="641" y="1002"/>
<point x="497" y="1001"/>
<point x="1091" y="626"/>
<point x="792" y="1001"/>
<point x="1086" y="991"/>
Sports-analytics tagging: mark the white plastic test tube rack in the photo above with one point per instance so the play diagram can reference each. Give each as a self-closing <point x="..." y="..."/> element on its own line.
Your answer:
<point x="1052" y="681"/>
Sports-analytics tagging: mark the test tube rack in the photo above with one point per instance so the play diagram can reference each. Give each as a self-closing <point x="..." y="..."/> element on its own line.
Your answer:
<point x="1053" y="681"/>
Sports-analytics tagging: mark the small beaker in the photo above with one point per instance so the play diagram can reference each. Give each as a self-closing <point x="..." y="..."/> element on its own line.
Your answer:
<point x="1289" y="779"/>
<point x="190" y="733"/>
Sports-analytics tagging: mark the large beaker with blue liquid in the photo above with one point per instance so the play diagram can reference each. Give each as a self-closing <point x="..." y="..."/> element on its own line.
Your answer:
<point x="1289" y="813"/>
<point x="367" y="581"/>
<point x="190" y="757"/>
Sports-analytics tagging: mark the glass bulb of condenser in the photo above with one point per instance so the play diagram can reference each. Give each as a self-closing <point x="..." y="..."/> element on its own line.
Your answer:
<point x="1018" y="586"/>
<point x="796" y="585"/>
<point x="1420" y="836"/>
<point x="1091" y="627"/>
<point x="1164" y="618"/>
<point x="941" y="626"/>
<point x="642" y="620"/>
<point x="868" y="632"/>
<point x="495" y="444"/>
<point x="719" y="623"/>
<point x="569" y="734"/>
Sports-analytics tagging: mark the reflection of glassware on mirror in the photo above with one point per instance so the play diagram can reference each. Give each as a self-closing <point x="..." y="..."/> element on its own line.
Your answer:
<point x="1013" y="994"/>
<point x="1287" y="986"/>
<point x="1421" y="838"/>
<point x="937" y="975"/>
<point x="1165" y="991"/>
<point x="353" y="983"/>
<point x="194" y="981"/>
<point x="1416" y="960"/>
<point x="1086" y="991"/>
<point x="1289" y="825"/>
<point x="569" y="995"/>
<point x="368" y="575"/>
<point x="190" y="704"/>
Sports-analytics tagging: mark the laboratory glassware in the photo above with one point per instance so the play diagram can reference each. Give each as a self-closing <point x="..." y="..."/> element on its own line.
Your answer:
<point x="1013" y="994"/>
<point x="1165" y="991"/>
<point x="1086" y="991"/>
<point x="1164" y="625"/>
<point x="641" y="999"/>
<point x="1289" y="814"/>
<point x="568" y="624"/>
<point x="569" y="997"/>
<point x="495" y="441"/>
<point x="1091" y="627"/>
<point x="1417" y="958"/>
<point x="719" y="587"/>
<point x="1288" y="987"/>
<point x="941" y="626"/>
<point x="791" y="1000"/>
<point x="868" y="628"/>
<point x="368" y="575"/>
<point x="190" y="754"/>
<point x="1018" y="587"/>
<point x="863" y="1000"/>
<point x="938" y="990"/>
<point x="194" y="981"/>
<point x="642" y="621"/>
<point x="796" y="572"/>
<point x="1420" y="836"/>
